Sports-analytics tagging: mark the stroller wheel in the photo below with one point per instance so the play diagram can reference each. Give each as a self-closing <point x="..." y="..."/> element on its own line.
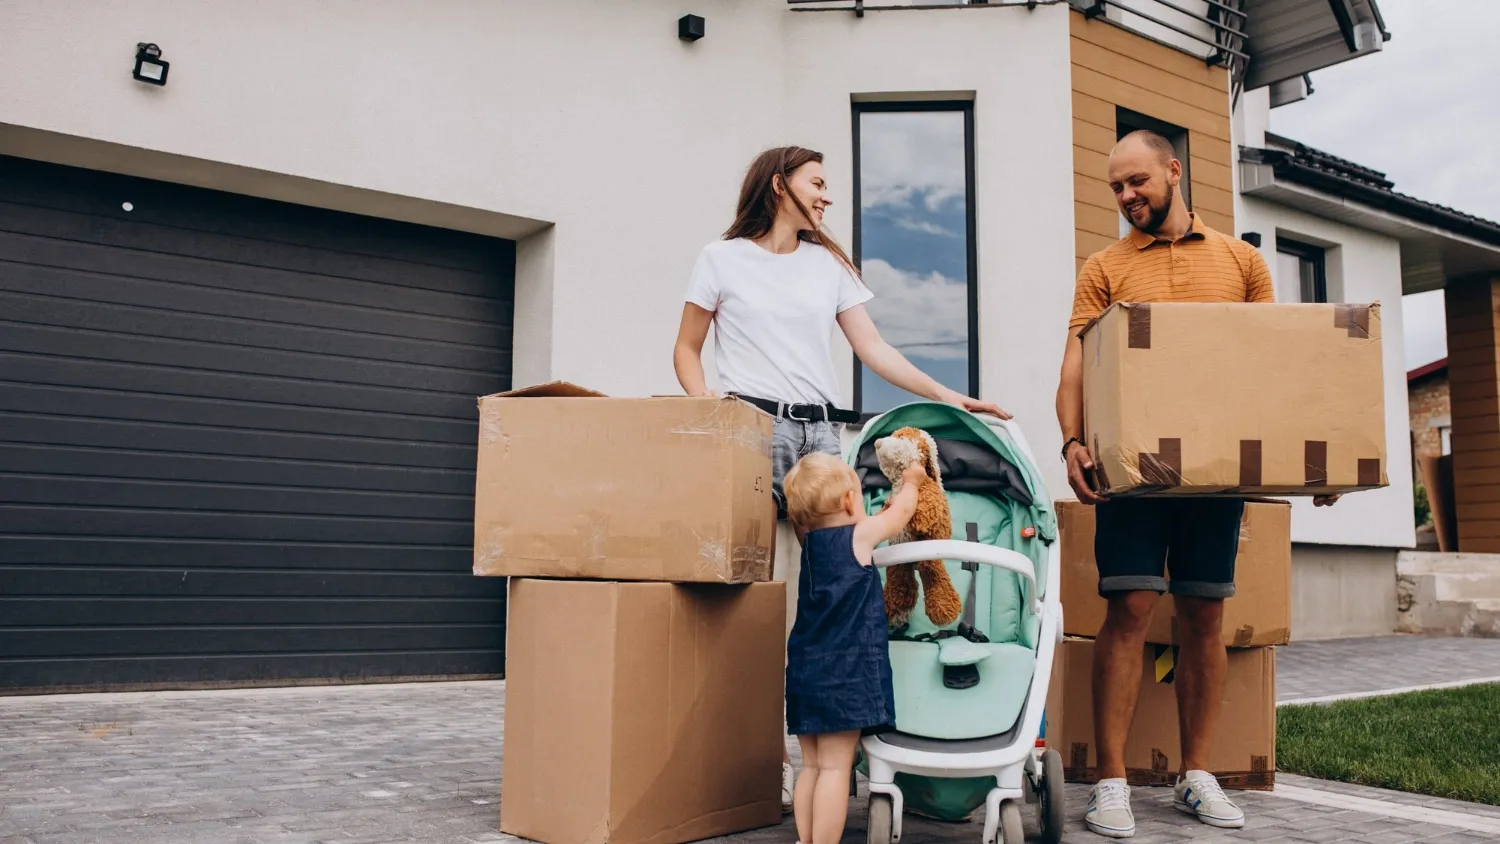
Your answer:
<point x="1012" y="831"/>
<point x="878" y="830"/>
<point x="1051" y="806"/>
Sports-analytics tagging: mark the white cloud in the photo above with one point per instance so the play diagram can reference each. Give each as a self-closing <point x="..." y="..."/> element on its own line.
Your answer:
<point x="923" y="227"/>
<point x="922" y="315"/>
<point x="910" y="155"/>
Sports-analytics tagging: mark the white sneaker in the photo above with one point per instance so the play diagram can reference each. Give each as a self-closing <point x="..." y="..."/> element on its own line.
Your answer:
<point x="1108" y="813"/>
<point x="1198" y="794"/>
<point x="788" y="783"/>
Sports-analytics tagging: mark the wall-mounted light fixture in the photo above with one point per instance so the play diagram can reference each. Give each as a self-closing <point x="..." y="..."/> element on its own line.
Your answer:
<point x="148" y="64"/>
<point x="690" y="27"/>
<point x="1252" y="238"/>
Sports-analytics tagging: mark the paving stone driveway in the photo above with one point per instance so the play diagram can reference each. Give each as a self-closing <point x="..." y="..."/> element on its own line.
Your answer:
<point x="421" y="763"/>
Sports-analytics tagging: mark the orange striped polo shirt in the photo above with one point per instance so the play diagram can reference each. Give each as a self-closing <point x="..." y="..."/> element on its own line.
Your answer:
<point x="1202" y="266"/>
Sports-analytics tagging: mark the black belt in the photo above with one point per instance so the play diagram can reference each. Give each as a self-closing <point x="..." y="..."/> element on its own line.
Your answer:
<point x="802" y="412"/>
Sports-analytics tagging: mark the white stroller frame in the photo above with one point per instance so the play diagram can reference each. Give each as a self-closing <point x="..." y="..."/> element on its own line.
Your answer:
<point x="1023" y="772"/>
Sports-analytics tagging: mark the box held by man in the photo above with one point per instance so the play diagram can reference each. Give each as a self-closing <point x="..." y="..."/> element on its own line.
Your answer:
<point x="573" y="484"/>
<point x="1235" y="399"/>
<point x="642" y="713"/>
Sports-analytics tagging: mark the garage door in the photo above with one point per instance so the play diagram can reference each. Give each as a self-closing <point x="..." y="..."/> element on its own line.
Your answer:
<point x="237" y="438"/>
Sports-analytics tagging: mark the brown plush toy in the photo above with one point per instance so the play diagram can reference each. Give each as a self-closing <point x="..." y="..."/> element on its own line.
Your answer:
<point x="931" y="521"/>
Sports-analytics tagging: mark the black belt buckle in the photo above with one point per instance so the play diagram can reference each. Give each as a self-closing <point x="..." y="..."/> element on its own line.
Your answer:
<point x="792" y="409"/>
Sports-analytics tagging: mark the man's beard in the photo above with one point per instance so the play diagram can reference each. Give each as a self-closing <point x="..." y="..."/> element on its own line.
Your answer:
<point x="1158" y="213"/>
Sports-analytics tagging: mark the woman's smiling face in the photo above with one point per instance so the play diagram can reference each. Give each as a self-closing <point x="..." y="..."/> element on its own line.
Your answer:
<point x="811" y="189"/>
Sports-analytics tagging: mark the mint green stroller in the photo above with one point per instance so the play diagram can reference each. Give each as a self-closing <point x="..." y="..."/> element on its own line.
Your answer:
<point x="969" y="697"/>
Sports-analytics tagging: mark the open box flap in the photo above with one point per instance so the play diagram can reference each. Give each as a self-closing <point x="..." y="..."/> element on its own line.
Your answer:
<point x="551" y="389"/>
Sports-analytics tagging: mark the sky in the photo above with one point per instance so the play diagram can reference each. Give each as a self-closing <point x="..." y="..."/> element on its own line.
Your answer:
<point x="914" y="247"/>
<point x="1426" y="111"/>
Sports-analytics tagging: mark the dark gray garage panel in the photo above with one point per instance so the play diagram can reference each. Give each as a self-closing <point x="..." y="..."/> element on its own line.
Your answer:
<point x="237" y="438"/>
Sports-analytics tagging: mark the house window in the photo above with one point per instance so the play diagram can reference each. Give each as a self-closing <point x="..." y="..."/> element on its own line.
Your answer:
<point x="1303" y="271"/>
<point x="1445" y="434"/>
<point x="914" y="241"/>
<point x="1127" y="121"/>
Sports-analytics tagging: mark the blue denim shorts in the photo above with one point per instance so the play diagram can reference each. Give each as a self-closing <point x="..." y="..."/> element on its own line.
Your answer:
<point x="791" y="441"/>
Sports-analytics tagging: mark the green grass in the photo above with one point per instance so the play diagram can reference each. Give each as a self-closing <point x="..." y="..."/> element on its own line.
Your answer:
<point x="1443" y="743"/>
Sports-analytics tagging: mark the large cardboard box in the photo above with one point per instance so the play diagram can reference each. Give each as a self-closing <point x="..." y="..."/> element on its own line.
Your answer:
<point x="1198" y="398"/>
<point x="1260" y="613"/>
<point x="572" y="484"/>
<point x="1244" y="748"/>
<point x="642" y="713"/>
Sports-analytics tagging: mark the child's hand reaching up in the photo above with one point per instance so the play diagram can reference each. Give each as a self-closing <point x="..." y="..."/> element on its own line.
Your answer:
<point x="891" y="521"/>
<point x="914" y="475"/>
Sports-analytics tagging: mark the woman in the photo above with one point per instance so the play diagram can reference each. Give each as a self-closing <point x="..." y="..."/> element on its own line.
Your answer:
<point x="775" y="286"/>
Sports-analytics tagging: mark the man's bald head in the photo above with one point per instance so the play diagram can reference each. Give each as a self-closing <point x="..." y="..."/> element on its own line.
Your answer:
<point x="1144" y="173"/>
<point x="1148" y="140"/>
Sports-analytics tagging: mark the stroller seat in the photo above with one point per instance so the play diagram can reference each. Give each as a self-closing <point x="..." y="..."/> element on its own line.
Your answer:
<point x="926" y="707"/>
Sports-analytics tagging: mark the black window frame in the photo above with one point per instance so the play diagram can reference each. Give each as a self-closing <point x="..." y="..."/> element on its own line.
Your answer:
<point x="1127" y="121"/>
<point x="1315" y="255"/>
<point x="971" y="235"/>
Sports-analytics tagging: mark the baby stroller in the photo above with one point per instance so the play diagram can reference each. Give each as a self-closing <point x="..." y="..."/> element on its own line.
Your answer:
<point x="969" y="698"/>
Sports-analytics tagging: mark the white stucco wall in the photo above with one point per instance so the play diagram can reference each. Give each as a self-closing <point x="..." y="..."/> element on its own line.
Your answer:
<point x="587" y="130"/>
<point x="1362" y="267"/>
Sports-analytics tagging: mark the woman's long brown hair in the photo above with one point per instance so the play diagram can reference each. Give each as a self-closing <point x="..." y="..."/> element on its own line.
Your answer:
<point x="759" y="201"/>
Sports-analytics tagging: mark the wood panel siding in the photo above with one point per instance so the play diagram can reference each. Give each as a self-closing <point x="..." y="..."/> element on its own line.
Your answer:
<point x="1473" y="377"/>
<point x="1113" y="68"/>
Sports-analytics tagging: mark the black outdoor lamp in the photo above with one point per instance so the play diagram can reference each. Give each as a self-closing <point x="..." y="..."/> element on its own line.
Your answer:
<point x="690" y="27"/>
<point x="148" y="64"/>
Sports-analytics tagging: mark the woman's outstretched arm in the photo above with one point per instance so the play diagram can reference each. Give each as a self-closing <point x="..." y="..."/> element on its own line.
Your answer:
<point x="888" y="362"/>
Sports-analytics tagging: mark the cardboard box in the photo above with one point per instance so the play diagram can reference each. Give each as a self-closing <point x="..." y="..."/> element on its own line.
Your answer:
<point x="572" y="484"/>
<point x="1260" y="613"/>
<point x="1243" y="755"/>
<point x="642" y="713"/>
<point x="1196" y="398"/>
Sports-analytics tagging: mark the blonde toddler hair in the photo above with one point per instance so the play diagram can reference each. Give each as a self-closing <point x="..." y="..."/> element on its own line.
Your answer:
<point x="815" y="486"/>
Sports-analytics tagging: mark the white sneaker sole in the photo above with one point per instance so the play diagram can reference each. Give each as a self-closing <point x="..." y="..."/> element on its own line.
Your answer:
<point x="1109" y="831"/>
<point x="1220" y="823"/>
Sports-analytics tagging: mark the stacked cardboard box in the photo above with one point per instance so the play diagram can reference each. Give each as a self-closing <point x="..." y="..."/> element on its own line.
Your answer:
<point x="1255" y="620"/>
<point x="1185" y="399"/>
<point x="644" y="643"/>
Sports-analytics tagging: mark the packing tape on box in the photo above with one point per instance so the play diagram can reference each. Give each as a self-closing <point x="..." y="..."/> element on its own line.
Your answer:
<point x="1258" y="775"/>
<point x="489" y="426"/>
<point x="722" y="423"/>
<point x="592" y="546"/>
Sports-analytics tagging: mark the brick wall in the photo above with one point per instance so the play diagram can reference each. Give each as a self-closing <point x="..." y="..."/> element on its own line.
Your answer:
<point x="1428" y="399"/>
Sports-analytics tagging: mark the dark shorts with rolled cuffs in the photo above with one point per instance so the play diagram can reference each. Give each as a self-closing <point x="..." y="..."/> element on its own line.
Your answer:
<point x="1138" y="540"/>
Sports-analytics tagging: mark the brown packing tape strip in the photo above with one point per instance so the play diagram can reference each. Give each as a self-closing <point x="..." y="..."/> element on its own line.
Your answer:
<point x="1164" y="468"/>
<point x="1079" y="755"/>
<point x="1369" y="472"/>
<point x="1159" y="760"/>
<point x="1099" y="466"/>
<point x="1250" y="462"/>
<point x="1139" y="332"/>
<point x="1353" y="318"/>
<point x="1315" y="462"/>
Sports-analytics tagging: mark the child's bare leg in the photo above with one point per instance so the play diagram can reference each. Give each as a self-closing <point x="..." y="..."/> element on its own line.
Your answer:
<point x="802" y="796"/>
<point x="830" y="799"/>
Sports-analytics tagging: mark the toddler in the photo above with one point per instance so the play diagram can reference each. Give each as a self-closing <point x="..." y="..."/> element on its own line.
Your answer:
<point x="838" y="675"/>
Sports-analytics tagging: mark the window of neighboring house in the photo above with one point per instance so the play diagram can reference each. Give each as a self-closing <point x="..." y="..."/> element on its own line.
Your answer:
<point x="1303" y="271"/>
<point x="1127" y="121"/>
<point x="914" y="241"/>
<point x="1445" y="434"/>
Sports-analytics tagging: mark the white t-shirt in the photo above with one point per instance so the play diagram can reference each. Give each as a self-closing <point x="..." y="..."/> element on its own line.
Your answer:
<point x="774" y="317"/>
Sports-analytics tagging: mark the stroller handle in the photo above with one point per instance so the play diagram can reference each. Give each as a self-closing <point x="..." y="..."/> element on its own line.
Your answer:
<point x="958" y="551"/>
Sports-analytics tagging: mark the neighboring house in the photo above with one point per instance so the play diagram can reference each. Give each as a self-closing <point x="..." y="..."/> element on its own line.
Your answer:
<point x="248" y="312"/>
<point x="1431" y="416"/>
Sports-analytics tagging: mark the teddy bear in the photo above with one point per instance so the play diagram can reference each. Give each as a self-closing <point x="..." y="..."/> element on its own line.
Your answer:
<point x="931" y="521"/>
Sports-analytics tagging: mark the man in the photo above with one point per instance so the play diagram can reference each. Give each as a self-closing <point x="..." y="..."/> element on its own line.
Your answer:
<point x="1169" y="256"/>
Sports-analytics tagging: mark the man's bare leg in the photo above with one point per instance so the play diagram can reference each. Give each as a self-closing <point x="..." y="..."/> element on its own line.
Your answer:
<point x="1118" y="658"/>
<point x="1202" y="666"/>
